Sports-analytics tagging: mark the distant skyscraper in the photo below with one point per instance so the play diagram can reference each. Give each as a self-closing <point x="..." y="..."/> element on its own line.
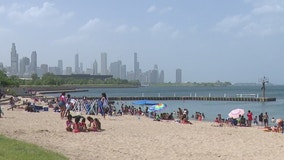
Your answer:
<point x="103" y="63"/>
<point x="14" y="60"/>
<point x="60" y="66"/>
<point x="77" y="68"/>
<point x="136" y="67"/>
<point x="162" y="76"/>
<point x="115" y="69"/>
<point x="33" y="65"/>
<point x="81" y="68"/>
<point x="95" y="68"/>
<point x="178" y="76"/>
<point x="123" y="72"/>
<point x="68" y="70"/>
<point x="24" y="65"/>
<point x="43" y="70"/>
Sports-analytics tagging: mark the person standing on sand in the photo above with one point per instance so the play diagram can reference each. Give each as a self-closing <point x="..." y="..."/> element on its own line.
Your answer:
<point x="62" y="104"/>
<point x="104" y="105"/>
<point x="249" y="115"/>
<point x="12" y="103"/>
<point x="265" y="120"/>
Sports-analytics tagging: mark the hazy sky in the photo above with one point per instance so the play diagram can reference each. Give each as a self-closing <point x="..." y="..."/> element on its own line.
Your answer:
<point x="210" y="40"/>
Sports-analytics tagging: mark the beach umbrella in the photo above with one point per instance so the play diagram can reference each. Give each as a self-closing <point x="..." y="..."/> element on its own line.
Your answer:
<point x="236" y="112"/>
<point x="157" y="107"/>
<point x="144" y="102"/>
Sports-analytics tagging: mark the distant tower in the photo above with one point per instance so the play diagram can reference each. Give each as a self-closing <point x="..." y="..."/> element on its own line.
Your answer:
<point x="14" y="60"/>
<point x="60" y="66"/>
<point x="136" y="67"/>
<point x="33" y="65"/>
<point x="77" y="68"/>
<point x="103" y="63"/>
<point x="24" y="64"/>
<point x="95" y="68"/>
<point x="178" y="76"/>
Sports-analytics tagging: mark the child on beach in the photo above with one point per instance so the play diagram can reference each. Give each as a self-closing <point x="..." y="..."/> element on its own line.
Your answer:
<point x="94" y="125"/>
<point x="83" y="126"/>
<point x="69" y="123"/>
<point x="76" y="125"/>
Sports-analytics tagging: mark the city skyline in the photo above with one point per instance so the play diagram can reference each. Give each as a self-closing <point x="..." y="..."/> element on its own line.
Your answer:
<point x="24" y="68"/>
<point x="233" y="41"/>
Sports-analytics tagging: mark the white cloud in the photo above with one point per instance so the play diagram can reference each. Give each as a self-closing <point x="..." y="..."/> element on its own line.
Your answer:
<point x="163" y="10"/>
<point x="160" y="27"/>
<point x="259" y="21"/>
<point x="46" y="14"/>
<point x="151" y="9"/>
<point x="125" y="28"/>
<point x="90" y="25"/>
<point x="266" y="9"/>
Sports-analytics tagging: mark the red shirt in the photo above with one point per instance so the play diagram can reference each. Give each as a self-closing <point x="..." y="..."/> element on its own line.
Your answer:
<point x="249" y="115"/>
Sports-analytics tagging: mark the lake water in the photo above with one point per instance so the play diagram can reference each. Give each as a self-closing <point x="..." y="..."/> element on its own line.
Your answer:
<point x="209" y="108"/>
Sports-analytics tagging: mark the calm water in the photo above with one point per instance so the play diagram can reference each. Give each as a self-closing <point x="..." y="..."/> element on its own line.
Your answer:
<point x="210" y="108"/>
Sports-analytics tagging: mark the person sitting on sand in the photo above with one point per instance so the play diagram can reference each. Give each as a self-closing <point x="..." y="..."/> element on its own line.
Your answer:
<point x="69" y="123"/>
<point x="242" y="121"/>
<point x="76" y="125"/>
<point x="83" y="126"/>
<point x="94" y="124"/>
<point x="185" y="121"/>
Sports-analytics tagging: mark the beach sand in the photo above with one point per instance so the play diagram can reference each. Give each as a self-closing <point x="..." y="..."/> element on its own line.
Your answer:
<point x="128" y="137"/>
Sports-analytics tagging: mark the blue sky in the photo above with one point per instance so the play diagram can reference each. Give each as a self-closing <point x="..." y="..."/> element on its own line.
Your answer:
<point x="235" y="41"/>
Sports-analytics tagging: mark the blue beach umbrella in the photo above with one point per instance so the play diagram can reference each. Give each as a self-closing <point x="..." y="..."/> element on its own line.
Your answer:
<point x="144" y="102"/>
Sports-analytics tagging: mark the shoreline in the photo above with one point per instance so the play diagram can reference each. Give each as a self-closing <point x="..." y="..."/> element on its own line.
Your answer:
<point x="133" y="137"/>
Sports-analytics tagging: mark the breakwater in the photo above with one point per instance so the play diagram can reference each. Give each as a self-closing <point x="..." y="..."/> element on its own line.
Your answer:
<point x="183" y="98"/>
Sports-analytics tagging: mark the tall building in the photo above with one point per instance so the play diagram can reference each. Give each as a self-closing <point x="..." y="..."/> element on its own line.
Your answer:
<point x="115" y="69"/>
<point x="77" y="68"/>
<point x="43" y="70"/>
<point x="68" y="71"/>
<point x="154" y="75"/>
<point x="14" y="60"/>
<point x="33" y="65"/>
<point x="95" y="68"/>
<point x="123" y="72"/>
<point x="60" y="66"/>
<point x="136" y="67"/>
<point x="162" y="77"/>
<point x="24" y="66"/>
<point x="104" y="63"/>
<point x="178" y="76"/>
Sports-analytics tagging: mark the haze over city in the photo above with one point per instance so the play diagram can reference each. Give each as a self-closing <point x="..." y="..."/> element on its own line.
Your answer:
<point x="235" y="41"/>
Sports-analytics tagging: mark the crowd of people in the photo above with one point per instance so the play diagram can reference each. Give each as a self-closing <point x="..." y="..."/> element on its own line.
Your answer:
<point x="247" y="120"/>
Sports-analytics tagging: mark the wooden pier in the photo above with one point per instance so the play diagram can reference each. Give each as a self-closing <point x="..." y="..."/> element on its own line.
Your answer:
<point x="183" y="98"/>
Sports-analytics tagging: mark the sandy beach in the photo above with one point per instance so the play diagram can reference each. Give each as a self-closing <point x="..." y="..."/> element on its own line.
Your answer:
<point x="128" y="137"/>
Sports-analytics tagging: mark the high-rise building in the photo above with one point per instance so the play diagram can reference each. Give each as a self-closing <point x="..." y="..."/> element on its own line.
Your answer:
<point x="115" y="69"/>
<point x="14" y="60"/>
<point x="33" y="65"/>
<point x="123" y="72"/>
<point x="77" y="68"/>
<point x="60" y="66"/>
<point x="162" y="76"/>
<point x="154" y="75"/>
<point x="104" y="63"/>
<point x="136" y="67"/>
<point x="43" y="70"/>
<point x="68" y="71"/>
<point x="178" y="76"/>
<point x="95" y="68"/>
<point x="24" y="65"/>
